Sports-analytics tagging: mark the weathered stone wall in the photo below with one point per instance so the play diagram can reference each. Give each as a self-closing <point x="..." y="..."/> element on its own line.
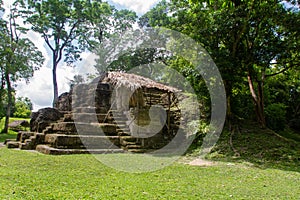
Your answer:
<point x="43" y="118"/>
<point x="64" y="102"/>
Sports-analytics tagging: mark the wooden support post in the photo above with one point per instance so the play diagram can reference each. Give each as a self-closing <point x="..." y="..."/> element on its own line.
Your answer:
<point x="169" y="113"/>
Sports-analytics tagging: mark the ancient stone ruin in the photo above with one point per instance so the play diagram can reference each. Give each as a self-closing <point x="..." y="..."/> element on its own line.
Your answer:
<point x="117" y="112"/>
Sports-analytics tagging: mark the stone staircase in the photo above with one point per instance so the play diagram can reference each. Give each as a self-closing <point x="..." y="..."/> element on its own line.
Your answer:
<point x="93" y="126"/>
<point x="108" y="134"/>
<point x="127" y="142"/>
<point x="26" y="140"/>
<point x="84" y="135"/>
<point x="63" y="137"/>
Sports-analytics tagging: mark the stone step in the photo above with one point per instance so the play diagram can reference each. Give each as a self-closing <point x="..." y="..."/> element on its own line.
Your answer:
<point x="85" y="117"/>
<point x="122" y="127"/>
<point x="122" y="133"/>
<point x="23" y="135"/>
<point x="80" y="141"/>
<point x="124" y="130"/>
<point x="102" y="110"/>
<point x="64" y="126"/>
<point x="125" y="142"/>
<point x="138" y="150"/>
<point x="13" y="144"/>
<point x="55" y="151"/>
<point x="92" y="118"/>
<point x="133" y="146"/>
<point x="70" y="128"/>
<point x="62" y="133"/>
<point x="128" y="139"/>
<point x="120" y="121"/>
<point x="28" y="144"/>
<point x="96" y="129"/>
<point x="39" y="138"/>
<point x="9" y="140"/>
<point x="48" y="129"/>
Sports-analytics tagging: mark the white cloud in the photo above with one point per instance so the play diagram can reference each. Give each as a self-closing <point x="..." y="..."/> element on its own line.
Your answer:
<point x="139" y="6"/>
<point x="7" y="4"/>
<point x="40" y="89"/>
<point x="86" y="66"/>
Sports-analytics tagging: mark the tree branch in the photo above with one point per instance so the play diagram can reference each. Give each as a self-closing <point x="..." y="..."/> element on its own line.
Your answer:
<point x="283" y="70"/>
<point x="67" y="40"/>
<point x="47" y="42"/>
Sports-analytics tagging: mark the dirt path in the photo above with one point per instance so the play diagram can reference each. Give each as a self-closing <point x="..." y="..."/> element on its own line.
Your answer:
<point x="201" y="162"/>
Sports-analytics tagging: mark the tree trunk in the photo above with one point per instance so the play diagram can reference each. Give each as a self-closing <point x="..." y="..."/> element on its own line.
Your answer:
<point x="258" y="101"/>
<point x="229" y="114"/>
<point x="54" y="78"/>
<point x="9" y="103"/>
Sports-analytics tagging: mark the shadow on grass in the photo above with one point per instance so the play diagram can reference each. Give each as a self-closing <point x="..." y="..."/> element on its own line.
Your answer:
<point x="5" y="136"/>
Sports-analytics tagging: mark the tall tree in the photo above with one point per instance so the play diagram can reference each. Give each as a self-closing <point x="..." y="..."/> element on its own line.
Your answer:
<point x="20" y="58"/>
<point x="71" y="26"/>
<point x="59" y="23"/>
<point x="249" y="40"/>
<point x="2" y="85"/>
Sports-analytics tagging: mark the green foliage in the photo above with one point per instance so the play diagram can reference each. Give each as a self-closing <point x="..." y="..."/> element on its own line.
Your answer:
<point x="156" y="17"/>
<point x="276" y="116"/>
<point x="250" y="41"/>
<point x="22" y="108"/>
<point x="203" y="128"/>
<point x="19" y="56"/>
<point x="284" y="89"/>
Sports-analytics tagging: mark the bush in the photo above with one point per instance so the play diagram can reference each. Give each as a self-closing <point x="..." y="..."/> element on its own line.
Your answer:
<point x="276" y="116"/>
<point x="21" y="110"/>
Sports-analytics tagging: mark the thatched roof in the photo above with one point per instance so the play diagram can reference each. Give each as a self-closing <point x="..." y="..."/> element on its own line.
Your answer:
<point x="133" y="81"/>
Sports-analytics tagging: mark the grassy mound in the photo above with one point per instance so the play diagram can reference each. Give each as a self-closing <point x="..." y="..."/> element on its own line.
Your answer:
<point x="259" y="147"/>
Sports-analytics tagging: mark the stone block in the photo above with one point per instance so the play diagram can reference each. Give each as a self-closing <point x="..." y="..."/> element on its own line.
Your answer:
<point x="83" y="141"/>
<point x="64" y="127"/>
<point x="54" y="151"/>
<point x="12" y="144"/>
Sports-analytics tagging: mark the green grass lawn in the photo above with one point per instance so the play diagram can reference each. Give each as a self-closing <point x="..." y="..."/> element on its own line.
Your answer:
<point x="30" y="175"/>
<point x="267" y="167"/>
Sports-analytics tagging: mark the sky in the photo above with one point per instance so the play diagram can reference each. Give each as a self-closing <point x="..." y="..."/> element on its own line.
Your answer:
<point x="40" y="90"/>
